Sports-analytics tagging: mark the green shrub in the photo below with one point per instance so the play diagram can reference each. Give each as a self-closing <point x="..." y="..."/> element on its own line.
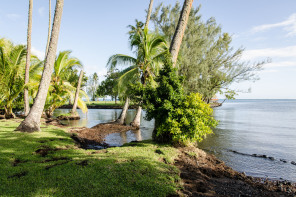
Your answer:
<point x="179" y="119"/>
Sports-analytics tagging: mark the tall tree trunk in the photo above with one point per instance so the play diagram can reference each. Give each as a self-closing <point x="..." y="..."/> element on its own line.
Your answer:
<point x="74" y="112"/>
<point x="179" y="33"/>
<point x="29" y="33"/>
<point x="49" y="28"/>
<point x="137" y="120"/>
<point x="149" y="14"/>
<point x="123" y="113"/>
<point x="32" y="121"/>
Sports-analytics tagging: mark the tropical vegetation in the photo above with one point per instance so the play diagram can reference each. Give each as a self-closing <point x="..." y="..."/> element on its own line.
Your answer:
<point x="12" y="72"/>
<point x="206" y="59"/>
<point x="61" y="90"/>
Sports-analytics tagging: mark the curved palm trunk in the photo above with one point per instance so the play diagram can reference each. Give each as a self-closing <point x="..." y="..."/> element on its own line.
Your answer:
<point x="8" y="112"/>
<point x="179" y="33"/>
<point x="32" y="121"/>
<point x="149" y="14"/>
<point x="74" y="112"/>
<point x="29" y="33"/>
<point x="123" y="113"/>
<point x="137" y="120"/>
<point x="49" y="28"/>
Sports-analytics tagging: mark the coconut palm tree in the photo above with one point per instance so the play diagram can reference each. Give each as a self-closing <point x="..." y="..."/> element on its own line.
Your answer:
<point x="49" y="27"/>
<point x="26" y="93"/>
<point x="61" y="90"/>
<point x="93" y="86"/>
<point x="149" y="13"/>
<point x="32" y="121"/>
<point x="74" y="112"/>
<point x="179" y="32"/>
<point x="150" y="49"/>
<point x="12" y="71"/>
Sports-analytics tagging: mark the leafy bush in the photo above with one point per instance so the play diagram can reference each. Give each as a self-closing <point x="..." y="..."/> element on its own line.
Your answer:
<point x="180" y="119"/>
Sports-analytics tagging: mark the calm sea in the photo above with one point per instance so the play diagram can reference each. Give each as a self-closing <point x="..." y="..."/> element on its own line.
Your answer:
<point x="246" y="127"/>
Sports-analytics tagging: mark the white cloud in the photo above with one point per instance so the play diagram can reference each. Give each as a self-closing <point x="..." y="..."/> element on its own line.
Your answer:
<point x="282" y="64"/>
<point x="39" y="54"/>
<point x="288" y="25"/>
<point x="269" y="71"/>
<point x="285" y="52"/>
<point x="13" y="17"/>
<point x="41" y="11"/>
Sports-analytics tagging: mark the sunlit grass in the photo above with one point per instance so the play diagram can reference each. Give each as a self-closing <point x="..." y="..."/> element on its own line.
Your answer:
<point x="118" y="103"/>
<point x="136" y="169"/>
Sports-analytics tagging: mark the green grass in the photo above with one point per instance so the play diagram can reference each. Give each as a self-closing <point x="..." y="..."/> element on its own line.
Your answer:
<point x="136" y="169"/>
<point x="109" y="103"/>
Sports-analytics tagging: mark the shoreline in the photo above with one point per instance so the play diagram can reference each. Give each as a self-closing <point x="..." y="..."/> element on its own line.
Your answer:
<point x="201" y="170"/>
<point x="201" y="173"/>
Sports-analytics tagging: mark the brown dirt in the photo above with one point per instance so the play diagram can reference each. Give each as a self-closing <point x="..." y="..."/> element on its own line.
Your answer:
<point x="204" y="175"/>
<point x="96" y="134"/>
<point x="45" y="150"/>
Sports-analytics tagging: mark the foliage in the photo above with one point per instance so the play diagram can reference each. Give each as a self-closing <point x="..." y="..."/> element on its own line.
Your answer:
<point x="93" y="86"/>
<point x="132" y="170"/>
<point x="12" y="71"/>
<point x="206" y="59"/>
<point x="61" y="90"/>
<point x="149" y="49"/>
<point x="109" y="85"/>
<point x="180" y="119"/>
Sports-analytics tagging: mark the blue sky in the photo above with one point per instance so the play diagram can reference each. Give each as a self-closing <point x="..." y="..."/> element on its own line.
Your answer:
<point x="94" y="30"/>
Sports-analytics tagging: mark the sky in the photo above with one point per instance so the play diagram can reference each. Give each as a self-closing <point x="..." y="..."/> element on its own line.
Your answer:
<point x="95" y="29"/>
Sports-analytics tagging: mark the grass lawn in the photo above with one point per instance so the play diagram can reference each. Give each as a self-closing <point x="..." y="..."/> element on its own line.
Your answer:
<point x="48" y="163"/>
<point x="111" y="103"/>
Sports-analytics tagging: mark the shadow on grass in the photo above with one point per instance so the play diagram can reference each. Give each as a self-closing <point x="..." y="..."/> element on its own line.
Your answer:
<point x="48" y="163"/>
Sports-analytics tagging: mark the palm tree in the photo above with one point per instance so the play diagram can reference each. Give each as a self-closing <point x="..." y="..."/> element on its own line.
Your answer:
<point x="73" y="112"/>
<point x="179" y="33"/>
<point x="61" y="90"/>
<point x="49" y="27"/>
<point x="26" y="94"/>
<point x="12" y="70"/>
<point x="149" y="13"/>
<point x="93" y="86"/>
<point x="32" y="121"/>
<point x="150" y="49"/>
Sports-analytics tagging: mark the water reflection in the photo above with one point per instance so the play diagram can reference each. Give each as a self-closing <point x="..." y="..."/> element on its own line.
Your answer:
<point x="97" y="116"/>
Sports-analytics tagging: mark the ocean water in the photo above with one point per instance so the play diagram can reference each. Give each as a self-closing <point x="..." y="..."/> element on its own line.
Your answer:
<point x="262" y="127"/>
<point x="246" y="127"/>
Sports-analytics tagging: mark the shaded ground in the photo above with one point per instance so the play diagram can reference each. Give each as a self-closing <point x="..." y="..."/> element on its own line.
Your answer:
<point x="48" y="163"/>
<point x="204" y="175"/>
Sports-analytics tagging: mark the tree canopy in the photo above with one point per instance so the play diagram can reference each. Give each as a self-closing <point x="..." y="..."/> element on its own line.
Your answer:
<point x="206" y="59"/>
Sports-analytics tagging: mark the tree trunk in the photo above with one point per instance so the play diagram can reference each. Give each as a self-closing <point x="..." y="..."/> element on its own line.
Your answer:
<point x="49" y="28"/>
<point x="137" y="120"/>
<point x="179" y="33"/>
<point x="49" y="113"/>
<point x="8" y="112"/>
<point x="123" y="113"/>
<point x="149" y="14"/>
<point x="74" y="112"/>
<point x="32" y="121"/>
<point x="27" y="69"/>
